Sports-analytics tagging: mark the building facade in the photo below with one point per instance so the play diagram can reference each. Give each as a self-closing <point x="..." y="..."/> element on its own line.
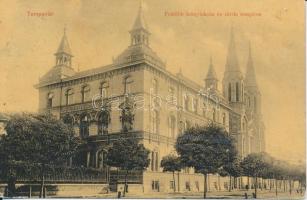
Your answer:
<point x="165" y="104"/>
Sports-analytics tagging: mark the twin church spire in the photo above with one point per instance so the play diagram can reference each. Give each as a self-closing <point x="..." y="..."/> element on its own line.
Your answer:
<point x="233" y="82"/>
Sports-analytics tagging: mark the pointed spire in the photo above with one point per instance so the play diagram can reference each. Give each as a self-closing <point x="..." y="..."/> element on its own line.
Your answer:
<point x="64" y="45"/>
<point x="211" y="78"/>
<point x="140" y="22"/>
<point x="232" y="64"/>
<point x="250" y="76"/>
<point x="211" y="72"/>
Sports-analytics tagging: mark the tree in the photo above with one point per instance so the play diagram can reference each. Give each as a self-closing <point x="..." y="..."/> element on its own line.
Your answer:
<point x="253" y="165"/>
<point x="206" y="148"/>
<point x="232" y="169"/>
<point x="172" y="164"/>
<point x="34" y="144"/>
<point x="128" y="154"/>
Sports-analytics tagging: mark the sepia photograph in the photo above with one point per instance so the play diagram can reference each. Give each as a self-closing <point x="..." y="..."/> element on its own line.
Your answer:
<point x="159" y="99"/>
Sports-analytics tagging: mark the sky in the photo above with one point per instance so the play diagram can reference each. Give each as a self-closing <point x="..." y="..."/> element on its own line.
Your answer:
<point x="97" y="31"/>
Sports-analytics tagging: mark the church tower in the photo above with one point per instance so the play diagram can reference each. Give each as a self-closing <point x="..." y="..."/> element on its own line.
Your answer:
<point x="233" y="83"/>
<point x="63" y="63"/>
<point x="253" y="105"/>
<point x="63" y="55"/>
<point x="252" y="91"/>
<point x="139" y="48"/>
<point x="211" y="80"/>
<point x="139" y="32"/>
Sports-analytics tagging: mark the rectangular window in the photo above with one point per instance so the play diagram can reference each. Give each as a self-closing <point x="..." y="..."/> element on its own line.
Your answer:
<point x="171" y="185"/>
<point x="197" y="185"/>
<point x="155" y="185"/>
<point x="152" y="160"/>
<point x="187" y="186"/>
<point x="237" y="92"/>
<point x="49" y="103"/>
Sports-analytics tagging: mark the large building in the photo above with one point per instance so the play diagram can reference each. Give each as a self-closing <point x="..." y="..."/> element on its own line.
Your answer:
<point x="165" y="104"/>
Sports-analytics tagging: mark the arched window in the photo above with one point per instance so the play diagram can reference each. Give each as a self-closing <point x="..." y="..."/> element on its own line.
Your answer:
<point x="68" y="119"/>
<point x="50" y="100"/>
<point x="255" y="104"/>
<point x="103" y="124"/>
<point x="84" y="125"/>
<point x="242" y="92"/>
<point x="104" y="90"/>
<point x="100" y="159"/>
<point x="127" y="84"/>
<point x="154" y="122"/>
<point x="229" y="92"/>
<point x="243" y="146"/>
<point x="155" y="86"/>
<point x="69" y="97"/>
<point x="237" y="92"/>
<point x="224" y="119"/>
<point x="186" y="102"/>
<point x="85" y="92"/>
<point x="171" y="91"/>
<point x="214" y="115"/>
<point x="187" y="124"/>
<point x="172" y="126"/>
<point x="195" y="105"/>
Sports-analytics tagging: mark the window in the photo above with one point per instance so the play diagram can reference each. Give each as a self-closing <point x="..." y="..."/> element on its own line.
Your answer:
<point x="155" y="86"/>
<point x="187" y="186"/>
<point x="224" y="119"/>
<point x="155" y="186"/>
<point x="104" y="90"/>
<point x="171" y="185"/>
<point x="197" y="185"/>
<point x="187" y="125"/>
<point x="50" y="100"/>
<point x="154" y="161"/>
<point x="100" y="159"/>
<point x="127" y="84"/>
<point x="186" y="102"/>
<point x="157" y="162"/>
<point x="172" y="126"/>
<point x="85" y="92"/>
<point x="103" y="124"/>
<point x="154" y="122"/>
<point x="171" y="91"/>
<point x="242" y="92"/>
<point x="68" y="119"/>
<point x="84" y="126"/>
<point x="237" y="92"/>
<point x="255" y="104"/>
<point x="204" y="111"/>
<point x="195" y="105"/>
<point x="214" y="115"/>
<point x="69" y="97"/>
<point x="229" y="92"/>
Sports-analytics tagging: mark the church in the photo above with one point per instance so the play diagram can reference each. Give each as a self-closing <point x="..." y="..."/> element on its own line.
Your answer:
<point x="167" y="104"/>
